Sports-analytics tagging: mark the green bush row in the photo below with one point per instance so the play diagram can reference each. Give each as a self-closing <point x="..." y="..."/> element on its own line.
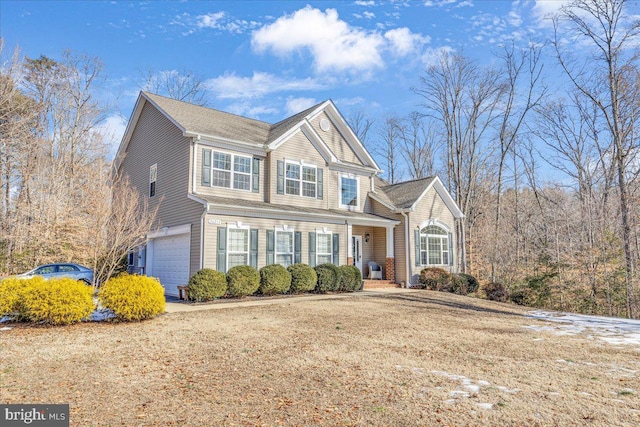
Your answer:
<point x="65" y="301"/>
<point x="243" y="280"/>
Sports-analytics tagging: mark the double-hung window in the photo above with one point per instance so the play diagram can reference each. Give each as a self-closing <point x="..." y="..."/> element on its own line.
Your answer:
<point x="284" y="248"/>
<point x="324" y="250"/>
<point x="227" y="170"/>
<point x="237" y="247"/>
<point x="153" y="176"/>
<point x="348" y="191"/>
<point x="300" y="180"/>
<point x="434" y="246"/>
<point x="292" y="179"/>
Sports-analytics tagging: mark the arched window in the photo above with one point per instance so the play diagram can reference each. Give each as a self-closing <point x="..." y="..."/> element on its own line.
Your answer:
<point x="434" y="246"/>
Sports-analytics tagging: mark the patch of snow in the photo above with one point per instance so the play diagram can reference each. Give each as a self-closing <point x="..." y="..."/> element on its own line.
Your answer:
<point x="507" y="389"/>
<point x="5" y="328"/>
<point x="485" y="405"/>
<point x="456" y="394"/>
<point x="450" y="401"/>
<point x="473" y="388"/>
<point x="101" y="315"/>
<point x="484" y="383"/>
<point x="612" y="330"/>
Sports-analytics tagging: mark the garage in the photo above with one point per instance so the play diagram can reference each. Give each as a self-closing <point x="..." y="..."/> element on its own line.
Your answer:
<point x="170" y="261"/>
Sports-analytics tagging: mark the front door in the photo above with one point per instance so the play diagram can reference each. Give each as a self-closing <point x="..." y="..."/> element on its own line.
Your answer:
<point x="356" y="242"/>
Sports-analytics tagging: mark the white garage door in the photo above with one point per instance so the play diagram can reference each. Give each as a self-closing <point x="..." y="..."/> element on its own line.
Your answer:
<point x="170" y="263"/>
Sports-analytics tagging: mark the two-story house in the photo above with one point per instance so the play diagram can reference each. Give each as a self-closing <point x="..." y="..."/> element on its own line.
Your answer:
<point x="232" y="190"/>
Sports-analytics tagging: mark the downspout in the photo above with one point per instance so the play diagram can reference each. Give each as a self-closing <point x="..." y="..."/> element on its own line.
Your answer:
<point x="406" y="248"/>
<point x="193" y="165"/>
<point x="202" y="217"/>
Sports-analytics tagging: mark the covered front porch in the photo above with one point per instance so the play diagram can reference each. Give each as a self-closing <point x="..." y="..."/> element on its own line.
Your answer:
<point x="373" y="246"/>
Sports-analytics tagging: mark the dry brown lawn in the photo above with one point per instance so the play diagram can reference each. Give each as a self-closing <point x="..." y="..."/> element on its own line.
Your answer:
<point x="403" y="359"/>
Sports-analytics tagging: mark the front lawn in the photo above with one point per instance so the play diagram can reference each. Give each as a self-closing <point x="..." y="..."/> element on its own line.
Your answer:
<point x="415" y="358"/>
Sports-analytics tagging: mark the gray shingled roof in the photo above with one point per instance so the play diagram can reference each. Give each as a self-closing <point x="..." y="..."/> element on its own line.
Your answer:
<point x="280" y="128"/>
<point x="403" y="194"/>
<point x="240" y="203"/>
<point x="208" y="121"/>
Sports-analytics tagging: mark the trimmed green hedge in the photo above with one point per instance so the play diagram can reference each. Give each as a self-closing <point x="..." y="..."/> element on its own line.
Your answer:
<point x="242" y="280"/>
<point x="274" y="279"/>
<point x="207" y="285"/>
<point x="328" y="278"/>
<point x="351" y="278"/>
<point x="303" y="278"/>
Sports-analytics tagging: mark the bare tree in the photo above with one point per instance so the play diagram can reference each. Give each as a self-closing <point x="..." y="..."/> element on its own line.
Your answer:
<point x="183" y="85"/>
<point x="119" y="222"/>
<point x="419" y="146"/>
<point x="522" y="72"/>
<point x="609" y="79"/>
<point x="361" y="125"/>
<point x="462" y="100"/>
<point x="389" y="147"/>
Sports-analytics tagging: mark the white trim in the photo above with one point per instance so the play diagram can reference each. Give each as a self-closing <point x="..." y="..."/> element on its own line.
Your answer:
<point x="357" y="179"/>
<point x="317" y="142"/>
<point x="219" y="143"/>
<point x="390" y="242"/>
<point x="444" y="194"/>
<point x="407" y="252"/>
<point x="281" y="230"/>
<point x="238" y="225"/>
<point x="301" y="164"/>
<point x="325" y="232"/>
<point x="231" y="171"/>
<point x="275" y="213"/>
<point x="349" y="236"/>
<point x="194" y="159"/>
<point x="169" y="231"/>
<point x="437" y="222"/>
<point x="377" y="198"/>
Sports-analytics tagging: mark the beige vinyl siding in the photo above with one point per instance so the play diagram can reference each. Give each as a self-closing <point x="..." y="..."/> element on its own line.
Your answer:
<point x="212" y="222"/>
<point x="430" y="207"/>
<point x="297" y="148"/>
<point x="156" y="140"/>
<point x="399" y="239"/>
<point x="379" y="245"/>
<point x="229" y="192"/>
<point x="335" y="141"/>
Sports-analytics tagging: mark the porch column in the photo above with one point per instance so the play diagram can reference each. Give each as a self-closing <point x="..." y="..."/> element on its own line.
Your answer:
<point x="349" y="244"/>
<point x="390" y="262"/>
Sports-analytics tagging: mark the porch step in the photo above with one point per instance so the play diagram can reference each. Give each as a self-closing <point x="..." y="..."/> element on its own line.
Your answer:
<point x="377" y="284"/>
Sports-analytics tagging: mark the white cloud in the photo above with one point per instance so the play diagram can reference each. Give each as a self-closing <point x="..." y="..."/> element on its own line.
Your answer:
<point x="334" y="45"/>
<point x="369" y="15"/>
<point x="296" y="105"/>
<point x="404" y="42"/>
<point x="365" y="3"/>
<point x="548" y="8"/>
<point x="210" y="20"/>
<point x="218" y="21"/>
<point x="432" y="56"/>
<point x="245" y="109"/>
<point x="112" y="129"/>
<point x="230" y="86"/>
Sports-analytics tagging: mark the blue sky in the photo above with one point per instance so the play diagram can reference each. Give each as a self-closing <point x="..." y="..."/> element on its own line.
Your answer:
<point x="271" y="59"/>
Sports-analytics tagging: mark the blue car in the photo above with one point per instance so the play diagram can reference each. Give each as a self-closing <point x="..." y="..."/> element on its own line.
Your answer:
<point x="73" y="271"/>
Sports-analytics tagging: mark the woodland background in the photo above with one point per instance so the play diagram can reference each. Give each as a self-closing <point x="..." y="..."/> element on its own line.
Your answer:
<point x="493" y="134"/>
